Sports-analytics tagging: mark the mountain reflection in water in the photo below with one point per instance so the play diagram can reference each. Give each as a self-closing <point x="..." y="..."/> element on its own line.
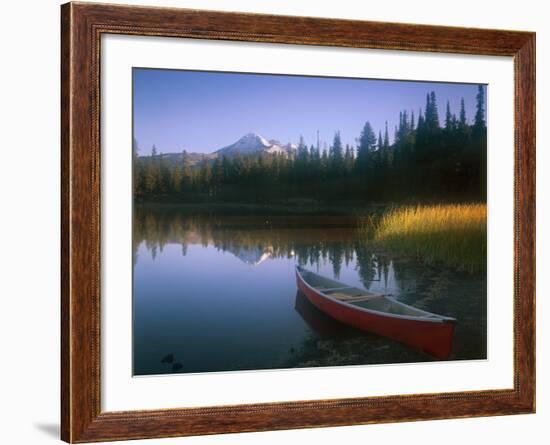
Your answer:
<point x="219" y="293"/>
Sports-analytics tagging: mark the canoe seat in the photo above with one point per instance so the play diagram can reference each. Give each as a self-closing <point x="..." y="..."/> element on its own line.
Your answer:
<point x="347" y="297"/>
<point x="330" y="289"/>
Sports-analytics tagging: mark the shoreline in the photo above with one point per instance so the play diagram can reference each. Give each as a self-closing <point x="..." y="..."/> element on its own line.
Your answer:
<point x="297" y="207"/>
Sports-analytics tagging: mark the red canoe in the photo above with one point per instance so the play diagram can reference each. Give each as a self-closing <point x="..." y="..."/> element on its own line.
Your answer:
<point x="379" y="314"/>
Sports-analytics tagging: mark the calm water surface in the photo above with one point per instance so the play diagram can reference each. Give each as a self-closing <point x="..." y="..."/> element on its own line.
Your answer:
<point x="218" y="293"/>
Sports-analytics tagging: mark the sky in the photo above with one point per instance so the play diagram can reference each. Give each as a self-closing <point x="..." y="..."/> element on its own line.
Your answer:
<point x="205" y="111"/>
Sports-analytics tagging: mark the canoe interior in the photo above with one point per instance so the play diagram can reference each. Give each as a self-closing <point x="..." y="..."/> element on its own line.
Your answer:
<point x="361" y="297"/>
<point x="318" y="281"/>
<point x="384" y="304"/>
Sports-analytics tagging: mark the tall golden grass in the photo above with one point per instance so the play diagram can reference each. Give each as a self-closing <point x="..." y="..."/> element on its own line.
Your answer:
<point x="453" y="234"/>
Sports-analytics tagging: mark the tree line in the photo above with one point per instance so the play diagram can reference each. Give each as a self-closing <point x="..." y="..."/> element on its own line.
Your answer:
<point x="426" y="161"/>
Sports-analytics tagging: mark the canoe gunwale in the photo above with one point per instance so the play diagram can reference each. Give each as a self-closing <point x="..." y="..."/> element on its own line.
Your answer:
<point x="436" y="318"/>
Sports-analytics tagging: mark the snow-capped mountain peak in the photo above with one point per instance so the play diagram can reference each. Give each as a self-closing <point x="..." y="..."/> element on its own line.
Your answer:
<point x="253" y="143"/>
<point x="253" y="138"/>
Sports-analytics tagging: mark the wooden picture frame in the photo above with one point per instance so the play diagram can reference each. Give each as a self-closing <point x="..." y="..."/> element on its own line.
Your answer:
<point x="82" y="25"/>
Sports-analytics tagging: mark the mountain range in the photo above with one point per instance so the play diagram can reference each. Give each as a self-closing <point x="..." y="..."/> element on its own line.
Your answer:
<point x="248" y="145"/>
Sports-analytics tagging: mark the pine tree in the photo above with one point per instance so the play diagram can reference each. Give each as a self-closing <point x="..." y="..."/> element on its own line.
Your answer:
<point x="152" y="173"/>
<point x="137" y="179"/>
<point x="348" y="159"/>
<point x="367" y="140"/>
<point x="420" y="124"/>
<point x="463" y="129"/>
<point x="315" y="159"/>
<point x="462" y="117"/>
<point x="186" y="173"/>
<point x="435" y="113"/>
<point x="431" y="115"/>
<point x="428" y="110"/>
<point x="205" y="175"/>
<point x="379" y="155"/>
<point x="324" y="163"/>
<point x="386" y="138"/>
<point x="314" y="153"/>
<point x="366" y="144"/>
<point x="448" y="118"/>
<point x="454" y="122"/>
<point x="479" y="120"/>
<point x="176" y="179"/>
<point x="226" y="169"/>
<point x="302" y="152"/>
<point x="480" y="139"/>
<point x="387" y="154"/>
<point x="217" y="175"/>
<point x="165" y="176"/>
<point x="336" y="155"/>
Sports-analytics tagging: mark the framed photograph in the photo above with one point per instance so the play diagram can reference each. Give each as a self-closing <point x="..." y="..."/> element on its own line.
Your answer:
<point x="275" y="222"/>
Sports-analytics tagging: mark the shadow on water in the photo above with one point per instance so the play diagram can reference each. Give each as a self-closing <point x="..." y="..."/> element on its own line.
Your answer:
<point x="218" y="293"/>
<point x="318" y="321"/>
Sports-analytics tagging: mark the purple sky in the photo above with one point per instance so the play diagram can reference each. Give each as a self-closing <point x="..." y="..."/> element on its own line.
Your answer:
<point x="204" y="111"/>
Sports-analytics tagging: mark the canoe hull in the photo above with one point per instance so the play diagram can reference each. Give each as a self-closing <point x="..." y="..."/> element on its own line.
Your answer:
<point x="434" y="338"/>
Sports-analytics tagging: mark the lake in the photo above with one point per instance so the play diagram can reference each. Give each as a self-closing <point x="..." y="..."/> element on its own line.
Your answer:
<point x="218" y="293"/>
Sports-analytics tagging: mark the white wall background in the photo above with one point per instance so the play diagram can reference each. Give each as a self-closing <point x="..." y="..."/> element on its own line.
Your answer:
<point x="29" y="223"/>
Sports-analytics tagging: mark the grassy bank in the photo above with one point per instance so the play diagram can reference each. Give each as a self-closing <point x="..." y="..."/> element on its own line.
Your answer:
<point x="453" y="234"/>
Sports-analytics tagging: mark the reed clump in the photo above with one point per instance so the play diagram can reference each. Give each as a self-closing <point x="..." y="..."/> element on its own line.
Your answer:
<point x="455" y="234"/>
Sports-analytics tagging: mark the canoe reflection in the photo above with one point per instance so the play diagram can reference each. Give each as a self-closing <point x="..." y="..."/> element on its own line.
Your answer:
<point x="318" y="321"/>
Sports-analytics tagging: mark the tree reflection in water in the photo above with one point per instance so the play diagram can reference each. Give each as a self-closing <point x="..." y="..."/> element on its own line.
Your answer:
<point x="253" y="239"/>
